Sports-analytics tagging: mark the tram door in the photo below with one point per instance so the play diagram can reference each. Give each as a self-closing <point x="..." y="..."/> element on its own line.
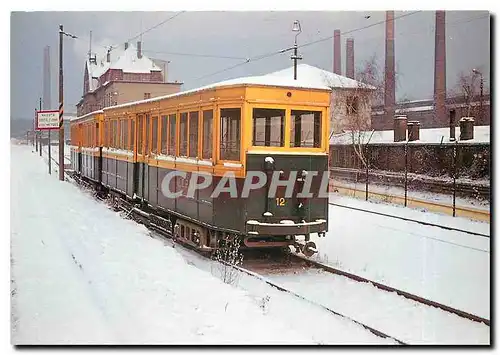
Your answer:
<point x="138" y="154"/>
<point x="141" y="156"/>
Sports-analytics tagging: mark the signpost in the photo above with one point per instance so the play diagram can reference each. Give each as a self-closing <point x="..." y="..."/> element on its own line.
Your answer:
<point x="46" y="121"/>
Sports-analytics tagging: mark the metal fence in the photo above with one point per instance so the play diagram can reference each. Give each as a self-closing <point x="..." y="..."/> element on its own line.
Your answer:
<point x="456" y="175"/>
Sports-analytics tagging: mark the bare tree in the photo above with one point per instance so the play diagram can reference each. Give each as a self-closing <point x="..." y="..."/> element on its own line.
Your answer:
<point x="351" y="107"/>
<point x="466" y="89"/>
<point x="228" y="256"/>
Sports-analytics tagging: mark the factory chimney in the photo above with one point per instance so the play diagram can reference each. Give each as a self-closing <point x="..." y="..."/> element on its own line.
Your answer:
<point x="390" y="82"/>
<point x="349" y="63"/>
<point x="336" y="53"/>
<point x="440" y="69"/>
<point x="46" y="79"/>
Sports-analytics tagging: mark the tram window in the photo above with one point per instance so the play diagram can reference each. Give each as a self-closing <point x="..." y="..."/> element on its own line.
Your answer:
<point x="139" y="134"/>
<point x="154" y="135"/>
<point x="207" y="134"/>
<point x="306" y="129"/>
<point x="171" y="141"/>
<point x="193" y="134"/>
<point x="164" y="134"/>
<point x="120" y="133"/>
<point x="230" y="133"/>
<point x="183" y="147"/>
<point x="97" y="134"/>
<point x="106" y="129"/>
<point x="268" y="127"/>
<point x="115" y="133"/>
<point x="132" y="134"/>
<point x="148" y="134"/>
<point x="125" y="134"/>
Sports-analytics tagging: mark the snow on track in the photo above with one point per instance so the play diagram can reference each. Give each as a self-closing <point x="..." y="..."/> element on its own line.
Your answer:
<point x="408" y="321"/>
<point x="448" y="267"/>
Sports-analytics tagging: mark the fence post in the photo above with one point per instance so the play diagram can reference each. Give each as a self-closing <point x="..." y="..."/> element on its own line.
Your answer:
<point x="454" y="177"/>
<point x="366" y="178"/>
<point x="406" y="174"/>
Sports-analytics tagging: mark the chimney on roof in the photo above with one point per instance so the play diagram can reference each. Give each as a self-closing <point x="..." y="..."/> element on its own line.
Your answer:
<point x="349" y="63"/>
<point x="390" y="82"/>
<point x="108" y="56"/>
<point x="336" y="52"/>
<point x="139" y="49"/>
<point x="126" y="45"/>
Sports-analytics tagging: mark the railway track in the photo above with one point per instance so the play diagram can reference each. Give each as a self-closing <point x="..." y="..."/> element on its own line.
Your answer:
<point x="411" y="220"/>
<point x="460" y="211"/>
<point x="292" y="263"/>
<point x="402" y="293"/>
<point x="414" y="181"/>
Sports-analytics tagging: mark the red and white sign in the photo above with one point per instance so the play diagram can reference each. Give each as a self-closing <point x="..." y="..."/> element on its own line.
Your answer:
<point x="48" y="119"/>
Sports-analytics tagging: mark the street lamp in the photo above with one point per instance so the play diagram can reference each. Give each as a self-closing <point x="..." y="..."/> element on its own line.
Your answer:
<point x="61" y="100"/>
<point x="475" y="71"/>
<point x="295" y="56"/>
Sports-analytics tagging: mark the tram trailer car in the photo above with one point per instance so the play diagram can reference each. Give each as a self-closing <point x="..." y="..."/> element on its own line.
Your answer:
<point x="225" y="129"/>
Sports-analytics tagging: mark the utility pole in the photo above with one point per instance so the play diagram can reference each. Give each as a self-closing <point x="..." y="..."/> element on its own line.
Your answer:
<point x="61" y="100"/>
<point x="295" y="56"/>
<point x="40" y="109"/>
<point x="35" y="131"/>
<point x="47" y="103"/>
<point x="481" y="84"/>
<point x="481" y="98"/>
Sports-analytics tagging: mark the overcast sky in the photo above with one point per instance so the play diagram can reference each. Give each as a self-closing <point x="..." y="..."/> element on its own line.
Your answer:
<point x="241" y="35"/>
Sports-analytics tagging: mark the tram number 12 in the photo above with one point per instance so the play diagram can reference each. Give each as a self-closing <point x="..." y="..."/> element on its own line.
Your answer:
<point x="280" y="201"/>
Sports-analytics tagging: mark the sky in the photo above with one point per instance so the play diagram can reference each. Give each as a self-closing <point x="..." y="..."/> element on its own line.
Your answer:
<point x="238" y="35"/>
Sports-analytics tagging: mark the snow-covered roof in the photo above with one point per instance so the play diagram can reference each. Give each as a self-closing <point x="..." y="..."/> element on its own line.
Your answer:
<point x="308" y="77"/>
<point x="95" y="70"/>
<point x="317" y="76"/>
<point x="427" y="135"/>
<point x="127" y="61"/>
<point x="130" y="63"/>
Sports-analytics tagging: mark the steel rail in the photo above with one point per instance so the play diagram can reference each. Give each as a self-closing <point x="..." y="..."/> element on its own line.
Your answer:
<point x="405" y="294"/>
<point x="410" y="220"/>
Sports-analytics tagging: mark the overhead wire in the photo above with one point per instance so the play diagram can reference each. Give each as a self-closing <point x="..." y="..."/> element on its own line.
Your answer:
<point x="271" y="54"/>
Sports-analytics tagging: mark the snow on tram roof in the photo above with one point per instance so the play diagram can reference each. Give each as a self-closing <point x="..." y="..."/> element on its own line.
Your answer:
<point x="309" y="77"/>
<point x="85" y="116"/>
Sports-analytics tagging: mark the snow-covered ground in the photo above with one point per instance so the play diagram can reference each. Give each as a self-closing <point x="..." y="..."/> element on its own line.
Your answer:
<point x="421" y="195"/>
<point x="82" y="274"/>
<point x="448" y="267"/>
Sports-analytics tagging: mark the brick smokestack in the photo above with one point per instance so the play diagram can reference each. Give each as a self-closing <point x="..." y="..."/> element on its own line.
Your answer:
<point x="46" y="79"/>
<point x="336" y="53"/>
<point x="390" y="82"/>
<point x="139" y="49"/>
<point x="349" y="62"/>
<point x="440" y="69"/>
